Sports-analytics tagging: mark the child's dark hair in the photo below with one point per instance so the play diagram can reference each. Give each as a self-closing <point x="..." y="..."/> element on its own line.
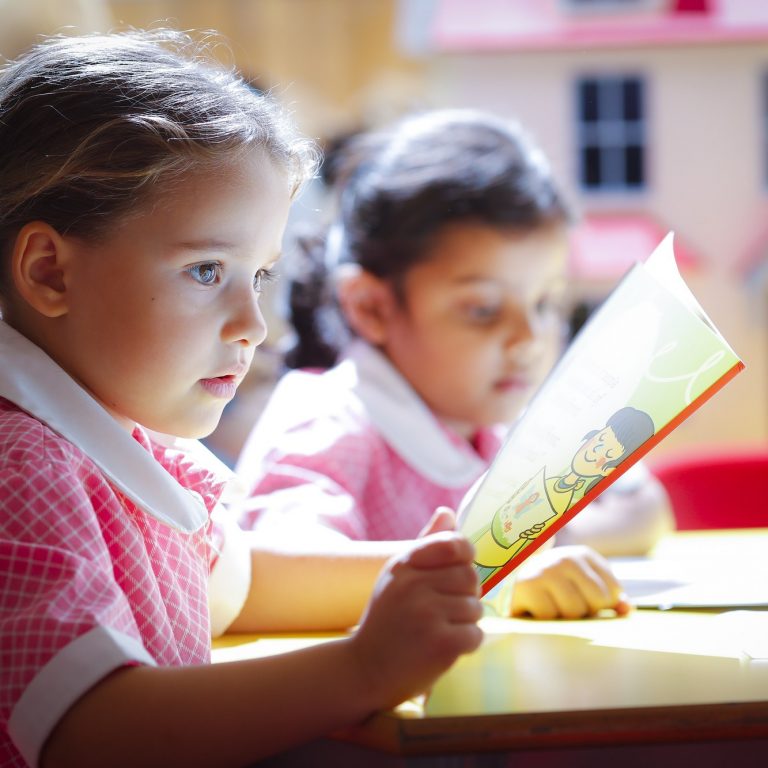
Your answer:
<point x="399" y="188"/>
<point x="93" y="128"/>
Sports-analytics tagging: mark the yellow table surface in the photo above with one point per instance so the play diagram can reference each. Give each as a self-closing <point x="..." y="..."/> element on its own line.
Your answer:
<point x="701" y="674"/>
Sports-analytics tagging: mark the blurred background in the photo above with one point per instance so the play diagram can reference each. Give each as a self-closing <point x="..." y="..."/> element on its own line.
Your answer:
<point x="654" y="114"/>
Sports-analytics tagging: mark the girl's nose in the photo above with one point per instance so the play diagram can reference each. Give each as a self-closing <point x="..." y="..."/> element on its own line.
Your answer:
<point x="246" y="324"/>
<point x="523" y="328"/>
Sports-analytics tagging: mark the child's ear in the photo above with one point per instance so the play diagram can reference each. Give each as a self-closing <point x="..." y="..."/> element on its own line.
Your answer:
<point x="38" y="268"/>
<point x="367" y="302"/>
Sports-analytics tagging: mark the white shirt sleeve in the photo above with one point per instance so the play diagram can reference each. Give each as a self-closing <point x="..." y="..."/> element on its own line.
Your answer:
<point x="230" y="579"/>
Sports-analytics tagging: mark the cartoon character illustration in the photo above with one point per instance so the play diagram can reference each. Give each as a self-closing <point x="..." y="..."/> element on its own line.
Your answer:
<point x="543" y="498"/>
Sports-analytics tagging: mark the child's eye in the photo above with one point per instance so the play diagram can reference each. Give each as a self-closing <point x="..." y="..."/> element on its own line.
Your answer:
<point x="549" y="305"/>
<point x="207" y="273"/>
<point x="481" y="313"/>
<point x="261" y="278"/>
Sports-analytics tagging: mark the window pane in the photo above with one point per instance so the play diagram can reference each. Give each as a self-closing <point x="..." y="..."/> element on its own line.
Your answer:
<point x="588" y="99"/>
<point x="635" y="165"/>
<point x="590" y="167"/>
<point x="633" y="100"/>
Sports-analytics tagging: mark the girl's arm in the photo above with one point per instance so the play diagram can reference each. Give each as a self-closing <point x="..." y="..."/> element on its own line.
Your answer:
<point x="316" y="588"/>
<point x="421" y="617"/>
<point x="327" y="588"/>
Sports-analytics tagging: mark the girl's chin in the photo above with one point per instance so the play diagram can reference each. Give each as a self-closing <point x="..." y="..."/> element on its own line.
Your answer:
<point x="509" y="405"/>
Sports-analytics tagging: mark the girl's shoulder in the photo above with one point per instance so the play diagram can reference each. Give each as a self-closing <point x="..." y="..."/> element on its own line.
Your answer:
<point x="311" y="415"/>
<point x="26" y="442"/>
<point x="41" y="471"/>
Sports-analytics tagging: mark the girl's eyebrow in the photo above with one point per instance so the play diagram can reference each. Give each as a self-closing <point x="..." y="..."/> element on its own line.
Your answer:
<point x="487" y="281"/>
<point x="206" y="244"/>
<point x="473" y="279"/>
<point x="464" y="279"/>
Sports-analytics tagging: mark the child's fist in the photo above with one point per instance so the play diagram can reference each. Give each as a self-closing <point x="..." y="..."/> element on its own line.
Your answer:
<point x="423" y="614"/>
<point x="566" y="582"/>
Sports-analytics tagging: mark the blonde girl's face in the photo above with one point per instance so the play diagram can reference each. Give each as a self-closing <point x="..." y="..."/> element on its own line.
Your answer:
<point x="164" y="315"/>
<point x="481" y="321"/>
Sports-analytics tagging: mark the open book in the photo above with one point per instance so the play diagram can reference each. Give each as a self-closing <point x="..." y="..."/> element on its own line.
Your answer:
<point x="644" y="362"/>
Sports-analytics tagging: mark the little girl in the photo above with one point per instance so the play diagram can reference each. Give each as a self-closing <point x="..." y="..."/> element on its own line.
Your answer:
<point x="143" y="194"/>
<point x="447" y="260"/>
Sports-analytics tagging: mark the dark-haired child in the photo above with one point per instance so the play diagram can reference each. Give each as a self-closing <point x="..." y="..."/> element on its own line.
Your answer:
<point x="437" y="298"/>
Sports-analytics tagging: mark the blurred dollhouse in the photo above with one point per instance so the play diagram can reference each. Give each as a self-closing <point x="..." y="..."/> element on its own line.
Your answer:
<point x="654" y="114"/>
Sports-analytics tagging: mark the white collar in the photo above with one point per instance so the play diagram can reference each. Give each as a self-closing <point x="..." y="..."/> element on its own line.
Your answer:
<point x="34" y="382"/>
<point x="404" y="419"/>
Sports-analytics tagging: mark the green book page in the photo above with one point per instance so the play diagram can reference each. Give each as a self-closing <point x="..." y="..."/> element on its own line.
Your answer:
<point x="646" y="359"/>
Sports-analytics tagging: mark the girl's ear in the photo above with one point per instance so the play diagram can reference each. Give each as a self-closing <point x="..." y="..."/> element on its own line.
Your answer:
<point x="367" y="302"/>
<point x="38" y="268"/>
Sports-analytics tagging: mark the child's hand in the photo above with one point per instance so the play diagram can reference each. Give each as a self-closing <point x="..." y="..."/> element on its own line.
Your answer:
<point x="443" y="519"/>
<point x="423" y="614"/>
<point x="566" y="582"/>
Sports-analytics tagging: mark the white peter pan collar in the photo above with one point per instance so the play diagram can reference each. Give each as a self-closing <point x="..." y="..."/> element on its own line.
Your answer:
<point x="404" y="419"/>
<point x="34" y="382"/>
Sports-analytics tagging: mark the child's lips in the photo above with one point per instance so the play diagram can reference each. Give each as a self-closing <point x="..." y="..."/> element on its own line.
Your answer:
<point x="232" y="375"/>
<point x="515" y="383"/>
<point x="223" y="387"/>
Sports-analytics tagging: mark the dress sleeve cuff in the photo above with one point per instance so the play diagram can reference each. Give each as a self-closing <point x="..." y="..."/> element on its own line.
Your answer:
<point x="64" y="679"/>
<point x="230" y="579"/>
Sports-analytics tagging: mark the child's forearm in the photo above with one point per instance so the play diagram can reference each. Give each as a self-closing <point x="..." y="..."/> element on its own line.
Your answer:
<point x="422" y="615"/>
<point x="220" y="715"/>
<point x="326" y="588"/>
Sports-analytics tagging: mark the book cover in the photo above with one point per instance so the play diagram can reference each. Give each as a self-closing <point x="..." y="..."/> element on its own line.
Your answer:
<point x="644" y="362"/>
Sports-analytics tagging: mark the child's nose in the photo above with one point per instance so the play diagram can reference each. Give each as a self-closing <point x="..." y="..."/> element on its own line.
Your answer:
<point x="523" y="329"/>
<point x="246" y="324"/>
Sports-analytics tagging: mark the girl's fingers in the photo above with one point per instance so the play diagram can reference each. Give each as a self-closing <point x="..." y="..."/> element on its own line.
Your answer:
<point x="569" y="599"/>
<point x="443" y="519"/>
<point x="460" y="610"/>
<point x="440" y="550"/>
<point x="537" y="603"/>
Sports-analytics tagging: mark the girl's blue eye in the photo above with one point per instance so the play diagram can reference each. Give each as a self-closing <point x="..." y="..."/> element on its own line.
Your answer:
<point x="207" y="273"/>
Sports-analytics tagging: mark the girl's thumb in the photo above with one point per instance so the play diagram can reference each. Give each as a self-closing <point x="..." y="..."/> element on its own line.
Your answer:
<point x="443" y="519"/>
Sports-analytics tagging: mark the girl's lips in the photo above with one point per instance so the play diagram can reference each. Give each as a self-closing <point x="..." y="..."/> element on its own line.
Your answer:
<point x="223" y="387"/>
<point x="512" y="383"/>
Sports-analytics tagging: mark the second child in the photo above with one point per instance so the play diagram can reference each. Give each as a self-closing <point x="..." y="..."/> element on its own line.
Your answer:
<point x="437" y="298"/>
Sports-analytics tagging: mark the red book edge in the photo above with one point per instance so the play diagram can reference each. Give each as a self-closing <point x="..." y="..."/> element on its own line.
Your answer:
<point x="638" y="454"/>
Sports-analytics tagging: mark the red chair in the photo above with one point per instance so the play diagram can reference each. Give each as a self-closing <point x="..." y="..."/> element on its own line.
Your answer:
<point x="717" y="489"/>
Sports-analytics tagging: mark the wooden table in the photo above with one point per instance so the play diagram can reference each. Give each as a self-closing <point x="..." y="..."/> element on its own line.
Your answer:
<point x="657" y="687"/>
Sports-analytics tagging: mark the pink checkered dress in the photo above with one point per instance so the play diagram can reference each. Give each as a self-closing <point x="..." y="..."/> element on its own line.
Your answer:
<point x="90" y="582"/>
<point x="105" y="554"/>
<point x="355" y="450"/>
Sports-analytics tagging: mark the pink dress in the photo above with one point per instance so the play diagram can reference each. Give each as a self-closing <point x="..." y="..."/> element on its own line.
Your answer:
<point x="354" y="450"/>
<point x="96" y="572"/>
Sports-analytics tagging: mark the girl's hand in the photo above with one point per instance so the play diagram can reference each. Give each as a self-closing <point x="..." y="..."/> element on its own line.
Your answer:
<point x="422" y="616"/>
<point x="566" y="582"/>
<point x="443" y="519"/>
